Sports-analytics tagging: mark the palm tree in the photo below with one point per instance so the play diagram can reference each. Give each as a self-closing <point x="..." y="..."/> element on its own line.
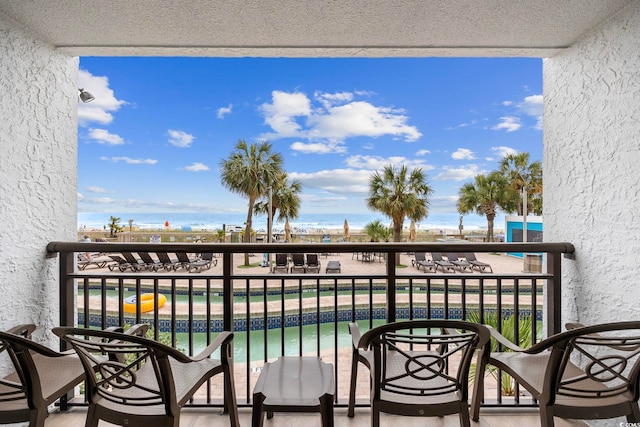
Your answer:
<point x="114" y="225"/>
<point x="522" y="174"/>
<point x="398" y="194"/>
<point x="249" y="171"/>
<point x="285" y="199"/>
<point x="485" y="196"/>
<point x="377" y="231"/>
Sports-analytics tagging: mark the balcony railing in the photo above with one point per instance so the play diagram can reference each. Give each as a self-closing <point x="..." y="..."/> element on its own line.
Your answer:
<point x="275" y="314"/>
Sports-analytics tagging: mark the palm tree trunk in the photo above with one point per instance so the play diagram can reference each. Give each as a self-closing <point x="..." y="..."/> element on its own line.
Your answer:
<point x="247" y="230"/>
<point x="490" y="218"/>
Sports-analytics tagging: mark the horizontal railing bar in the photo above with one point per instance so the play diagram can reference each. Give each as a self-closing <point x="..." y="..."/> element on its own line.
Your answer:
<point x="555" y="247"/>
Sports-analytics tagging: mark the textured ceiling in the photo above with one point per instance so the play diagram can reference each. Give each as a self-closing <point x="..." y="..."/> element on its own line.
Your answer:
<point x="311" y="27"/>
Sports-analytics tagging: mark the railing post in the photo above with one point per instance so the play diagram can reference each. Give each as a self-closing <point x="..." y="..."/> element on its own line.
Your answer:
<point x="391" y="286"/>
<point x="554" y="293"/>
<point x="67" y="308"/>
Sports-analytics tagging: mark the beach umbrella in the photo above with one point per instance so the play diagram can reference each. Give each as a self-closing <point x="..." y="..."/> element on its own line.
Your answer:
<point x="345" y="234"/>
<point x="412" y="231"/>
<point x="287" y="230"/>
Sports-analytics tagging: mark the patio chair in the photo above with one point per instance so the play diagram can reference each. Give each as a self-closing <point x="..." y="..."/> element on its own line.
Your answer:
<point x="313" y="263"/>
<point x="40" y="376"/>
<point x="442" y="263"/>
<point x="298" y="263"/>
<point x="421" y="367"/>
<point x="590" y="372"/>
<point x="422" y="261"/>
<point x="151" y="382"/>
<point x="119" y="263"/>
<point x="134" y="263"/>
<point x="205" y="262"/>
<point x="84" y="262"/>
<point x="481" y="266"/>
<point x="462" y="264"/>
<point x="167" y="262"/>
<point x="150" y="263"/>
<point x="282" y="263"/>
<point x="184" y="261"/>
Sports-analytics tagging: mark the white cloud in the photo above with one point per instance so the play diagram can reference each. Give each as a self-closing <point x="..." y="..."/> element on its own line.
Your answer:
<point x="318" y="147"/>
<point x="281" y="113"/>
<point x="533" y="106"/>
<point x="458" y="174"/>
<point x="463" y="154"/>
<point x="130" y="161"/>
<point x="103" y="136"/>
<point x="197" y="167"/>
<point x="94" y="189"/>
<point x="508" y="123"/>
<point x="180" y="139"/>
<point x="104" y="200"/>
<point x="422" y="152"/>
<point x="223" y="111"/>
<point x="375" y="163"/>
<point x="337" y="118"/>
<point x="340" y="181"/>
<point x="99" y="110"/>
<point x="503" y="151"/>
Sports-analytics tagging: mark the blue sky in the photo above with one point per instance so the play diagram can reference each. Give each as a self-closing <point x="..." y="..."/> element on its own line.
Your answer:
<point x="153" y="139"/>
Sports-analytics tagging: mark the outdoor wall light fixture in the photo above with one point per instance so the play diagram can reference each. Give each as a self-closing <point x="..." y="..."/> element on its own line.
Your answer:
<point x="85" y="96"/>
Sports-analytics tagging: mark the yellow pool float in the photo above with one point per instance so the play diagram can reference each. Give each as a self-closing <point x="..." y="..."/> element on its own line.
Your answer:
<point x="147" y="302"/>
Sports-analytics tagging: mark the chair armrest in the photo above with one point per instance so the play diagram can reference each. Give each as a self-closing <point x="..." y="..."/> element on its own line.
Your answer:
<point x="139" y="330"/>
<point x="354" y="330"/>
<point x="571" y="325"/>
<point x="24" y="330"/>
<point x="503" y="340"/>
<point x="224" y="338"/>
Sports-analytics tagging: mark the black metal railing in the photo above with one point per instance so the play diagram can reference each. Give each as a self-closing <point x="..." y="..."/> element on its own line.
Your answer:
<point x="276" y="314"/>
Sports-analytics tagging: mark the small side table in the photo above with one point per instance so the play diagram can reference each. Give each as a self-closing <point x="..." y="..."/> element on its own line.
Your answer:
<point x="294" y="384"/>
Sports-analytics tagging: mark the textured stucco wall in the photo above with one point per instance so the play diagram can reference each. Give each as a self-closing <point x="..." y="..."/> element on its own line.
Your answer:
<point x="592" y="168"/>
<point x="38" y="173"/>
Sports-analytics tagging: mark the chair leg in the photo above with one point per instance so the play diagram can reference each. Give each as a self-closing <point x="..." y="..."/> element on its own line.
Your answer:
<point x="92" y="420"/>
<point x="352" y="387"/>
<point x="546" y="416"/>
<point x="634" y="416"/>
<point x="464" y="415"/>
<point x="478" y="385"/>
<point x="230" y="396"/>
<point x="375" y="416"/>
<point x="37" y="417"/>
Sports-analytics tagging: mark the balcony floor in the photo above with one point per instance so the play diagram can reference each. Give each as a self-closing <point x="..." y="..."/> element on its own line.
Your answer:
<point x="202" y="418"/>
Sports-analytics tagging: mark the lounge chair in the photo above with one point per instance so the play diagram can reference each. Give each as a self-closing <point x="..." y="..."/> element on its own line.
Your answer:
<point x="184" y="260"/>
<point x="333" y="267"/>
<point x="119" y="263"/>
<point x="298" y="264"/>
<point x="462" y="264"/>
<point x="421" y="367"/>
<point x="422" y="261"/>
<point x="205" y="262"/>
<point x="84" y="262"/>
<point x="149" y="262"/>
<point x="40" y="376"/>
<point x="313" y="263"/>
<point x="167" y="262"/>
<point x="481" y="266"/>
<point x="590" y="372"/>
<point x="151" y="382"/>
<point x="282" y="263"/>
<point x="134" y="263"/>
<point x="442" y="263"/>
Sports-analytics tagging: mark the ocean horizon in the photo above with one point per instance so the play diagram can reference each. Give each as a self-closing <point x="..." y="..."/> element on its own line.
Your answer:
<point x="305" y="222"/>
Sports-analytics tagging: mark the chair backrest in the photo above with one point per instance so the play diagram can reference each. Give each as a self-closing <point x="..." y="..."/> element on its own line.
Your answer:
<point x="128" y="256"/>
<point x="124" y="369"/>
<point x="145" y="257"/>
<point x="423" y="357"/>
<point x="607" y="356"/>
<point x="421" y="256"/>
<point x="298" y="259"/>
<point x="452" y="256"/>
<point x="164" y="257"/>
<point x="281" y="259"/>
<point x="312" y="259"/>
<point x="183" y="257"/>
<point x="470" y="256"/>
<point x="436" y="256"/>
<point x="207" y="256"/>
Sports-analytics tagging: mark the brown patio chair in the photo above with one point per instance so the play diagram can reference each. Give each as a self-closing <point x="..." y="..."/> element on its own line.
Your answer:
<point x="282" y="263"/>
<point x="421" y="367"/>
<point x="149" y="383"/>
<point x="313" y="263"/>
<point x="298" y="263"/>
<point x="40" y="376"/>
<point x="481" y="266"/>
<point x="589" y="372"/>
